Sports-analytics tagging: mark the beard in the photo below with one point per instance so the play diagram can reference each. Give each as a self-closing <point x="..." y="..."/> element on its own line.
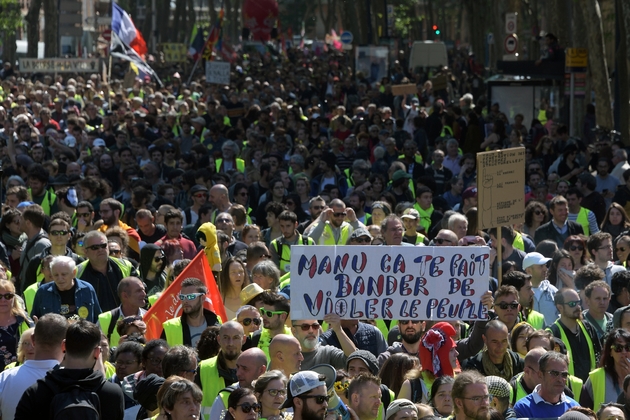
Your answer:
<point x="310" y="343"/>
<point x="231" y="355"/>
<point x="479" y="414"/>
<point x="308" y="414"/>
<point x="412" y="339"/>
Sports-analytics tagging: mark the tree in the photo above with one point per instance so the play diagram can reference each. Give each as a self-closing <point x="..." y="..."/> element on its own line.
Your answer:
<point x="32" y="28"/>
<point x="51" y="29"/>
<point x="597" y="62"/>
<point x="10" y="21"/>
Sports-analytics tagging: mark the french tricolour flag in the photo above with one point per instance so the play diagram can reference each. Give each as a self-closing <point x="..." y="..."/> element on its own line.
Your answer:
<point x="123" y="26"/>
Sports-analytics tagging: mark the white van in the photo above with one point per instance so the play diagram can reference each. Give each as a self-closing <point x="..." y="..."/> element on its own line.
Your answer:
<point x="427" y="54"/>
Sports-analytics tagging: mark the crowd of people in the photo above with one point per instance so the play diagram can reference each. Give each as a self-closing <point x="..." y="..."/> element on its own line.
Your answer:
<point x="109" y="192"/>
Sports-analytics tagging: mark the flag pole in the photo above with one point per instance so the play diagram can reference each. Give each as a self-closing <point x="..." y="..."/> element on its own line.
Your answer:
<point x="193" y="70"/>
<point x="109" y="78"/>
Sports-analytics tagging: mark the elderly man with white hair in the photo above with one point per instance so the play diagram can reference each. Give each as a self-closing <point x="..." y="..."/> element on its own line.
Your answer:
<point x="66" y="295"/>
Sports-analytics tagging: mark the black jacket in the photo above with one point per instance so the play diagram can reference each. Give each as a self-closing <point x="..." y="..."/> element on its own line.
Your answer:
<point x="476" y="363"/>
<point x="548" y="231"/>
<point x="36" y="400"/>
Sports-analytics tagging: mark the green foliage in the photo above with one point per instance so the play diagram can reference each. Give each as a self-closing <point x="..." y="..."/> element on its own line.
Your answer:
<point x="292" y="12"/>
<point x="407" y="20"/>
<point x="10" y="16"/>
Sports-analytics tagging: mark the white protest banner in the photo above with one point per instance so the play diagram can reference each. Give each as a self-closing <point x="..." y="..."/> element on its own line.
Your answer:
<point x="60" y="65"/>
<point x="389" y="282"/>
<point x="218" y="72"/>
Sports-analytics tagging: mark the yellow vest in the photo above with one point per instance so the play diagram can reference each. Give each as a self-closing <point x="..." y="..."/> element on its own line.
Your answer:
<point x="240" y="165"/>
<point x="536" y="320"/>
<point x="328" y="238"/>
<point x="582" y="219"/>
<point x="174" y="333"/>
<point x="48" y="201"/>
<point x="574" y="383"/>
<point x="598" y="384"/>
<point x="284" y="251"/>
<point x="124" y="265"/>
<point x="110" y="369"/>
<point x="565" y="340"/>
<point x="104" y="320"/>
<point x="518" y="241"/>
<point x="29" y="296"/>
<point x="211" y="384"/>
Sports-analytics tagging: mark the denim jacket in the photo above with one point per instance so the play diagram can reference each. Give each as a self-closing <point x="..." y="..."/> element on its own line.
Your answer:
<point x="48" y="300"/>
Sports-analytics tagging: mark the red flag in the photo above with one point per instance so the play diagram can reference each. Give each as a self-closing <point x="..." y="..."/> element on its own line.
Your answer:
<point x="168" y="306"/>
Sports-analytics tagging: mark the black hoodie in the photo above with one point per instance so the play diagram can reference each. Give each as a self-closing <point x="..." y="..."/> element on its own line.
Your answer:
<point x="147" y="253"/>
<point x="36" y="400"/>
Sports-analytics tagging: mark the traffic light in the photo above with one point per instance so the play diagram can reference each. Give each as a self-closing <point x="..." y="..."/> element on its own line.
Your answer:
<point x="436" y="29"/>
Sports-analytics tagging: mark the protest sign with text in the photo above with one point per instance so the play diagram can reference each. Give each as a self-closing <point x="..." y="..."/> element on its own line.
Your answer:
<point x="389" y="282"/>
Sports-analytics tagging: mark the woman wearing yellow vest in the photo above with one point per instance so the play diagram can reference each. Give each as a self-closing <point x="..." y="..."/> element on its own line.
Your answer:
<point x="605" y="383"/>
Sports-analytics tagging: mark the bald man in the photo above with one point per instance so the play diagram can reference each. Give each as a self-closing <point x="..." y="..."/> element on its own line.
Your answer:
<point x="249" y="366"/>
<point x="446" y="237"/>
<point x="216" y="373"/>
<point x="220" y="200"/>
<point x="524" y="383"/>
<point x="286" y="354"/>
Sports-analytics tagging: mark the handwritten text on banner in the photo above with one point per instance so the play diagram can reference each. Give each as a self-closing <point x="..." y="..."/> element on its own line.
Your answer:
<point x="389" y="282"/>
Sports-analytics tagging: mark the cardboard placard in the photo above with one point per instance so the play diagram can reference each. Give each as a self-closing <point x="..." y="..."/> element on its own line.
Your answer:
<point x="218" y="72"/>
<point x="408" y="89"/>
<point x="501" y="187"/>
<point x="174" y="52"/>
<point x="440" y="81"/>
<point x="389" y="282"/>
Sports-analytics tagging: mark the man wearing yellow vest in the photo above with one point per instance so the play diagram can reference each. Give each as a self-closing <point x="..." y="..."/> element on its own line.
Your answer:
<point x="37" y="183"/>
<point x="275" y="311"/>
<point x="280" y="248"/>
<point x="230" y="160"/>
<point x="219" y="197"/>
<point x="581" y="215"/>
<point x="187" y="328"/>
<point x="330" y="228"/>
<point x="216" y="373"/>
<point x="583" y="346"/>
<point x="132" y="299"/>
<point x="523" y="284"/>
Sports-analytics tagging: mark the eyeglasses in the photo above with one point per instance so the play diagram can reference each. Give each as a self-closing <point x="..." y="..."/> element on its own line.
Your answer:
<point x="477" y="400"/>
<point x="247" y="321"/>
<point x="126" y="362"/>
<point x="408" y="321"/>
<point x="620" y="249"/>
<point x="618" y="348"/>
<point x="440" y="241"/>
<point x="115" y="252"/>
<point x="505" y="305"/>
<point x="342" y="214"/>
<point x="96" y="247"/>
<point x="573" y="303"/>
<point x="276" y="392"/>
<point x="362" y="240"/>
<point x="7" y="296"/>
<point x="248" y="407"/>
<point x="306" y="327"/>
<point x="556" y="373"/>
<point x="319" y="399"/>
<point x="155" y="361"/>
<point x="576" y="248"/>
<point x="270" y="314"/>
<point x="58" y="232"/>
<point x="191" y="296"/>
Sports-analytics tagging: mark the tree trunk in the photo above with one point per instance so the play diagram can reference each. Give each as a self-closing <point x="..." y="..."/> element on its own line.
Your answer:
<point x="597" y="62"/>
<point x="51" y="29"/>
<point x="626" y="18"/>
<point x="32" y="27"/>
<point x="621" y="80"/>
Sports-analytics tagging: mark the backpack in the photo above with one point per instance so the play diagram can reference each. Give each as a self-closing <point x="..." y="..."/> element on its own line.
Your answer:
<point x="76" y="402"/>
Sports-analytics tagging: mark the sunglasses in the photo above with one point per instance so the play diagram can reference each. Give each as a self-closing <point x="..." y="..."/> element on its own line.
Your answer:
<point x="319" y="399"/>
<point x="276" y="392"/>
<point x="440" y="241"/>
<point x="340" y="214"/>
<point x="538" y="212"/>
<point x="58" y="232"/>
<point x="158" y="259"/>
<point x="505" y="305"/>
<point x="556" y="373"/>
<point x="270" y="314"/>
<point x="114" y="252"/>
<point x="7" y="296"/>
<point x="576" y="248"/>
<point x="362" y="240"/>
<point x="573" y="303"/>
<point x="96" y="247"/>
<point x="247" y="321"/>
<point x="306" y="327"/>
<point x="618" y="348"/>
<point x="247" y="407"/>
<point x="190" y="296"/>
